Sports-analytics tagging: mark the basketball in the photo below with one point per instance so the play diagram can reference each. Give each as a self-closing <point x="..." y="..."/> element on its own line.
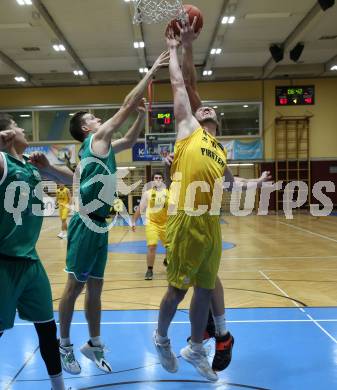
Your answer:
<point x="192" y="11"/>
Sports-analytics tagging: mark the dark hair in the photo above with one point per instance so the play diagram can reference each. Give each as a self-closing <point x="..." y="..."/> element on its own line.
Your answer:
<point x="5" y="121"/>
<point x="76" y="123"/>
<point x="155" y="174"/>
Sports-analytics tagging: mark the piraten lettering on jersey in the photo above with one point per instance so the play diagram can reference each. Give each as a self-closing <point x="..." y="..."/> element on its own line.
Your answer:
<point x="213" y="155"/>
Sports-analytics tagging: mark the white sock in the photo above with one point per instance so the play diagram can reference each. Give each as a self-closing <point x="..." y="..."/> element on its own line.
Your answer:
<point x="197" y="347"/>
<point x="220" y="325"/>
<point x="65" y="342"/>
<point x="96" y="341"/>
<point x="57" y="382"/>
<point x="161" y="339"/>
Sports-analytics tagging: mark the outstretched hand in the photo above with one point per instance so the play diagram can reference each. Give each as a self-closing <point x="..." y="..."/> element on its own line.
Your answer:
<point x="265" y="177"/>
<point x="6" y="139"/>
<point x="162" y="60"/>
<point x="187" y="30"/>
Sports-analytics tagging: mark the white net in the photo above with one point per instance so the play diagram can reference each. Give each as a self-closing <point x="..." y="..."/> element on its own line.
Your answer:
<point x="157" y="11"/>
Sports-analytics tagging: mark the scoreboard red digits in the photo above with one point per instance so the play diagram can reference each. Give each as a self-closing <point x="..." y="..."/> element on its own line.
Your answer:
<point x="295" y="95"/>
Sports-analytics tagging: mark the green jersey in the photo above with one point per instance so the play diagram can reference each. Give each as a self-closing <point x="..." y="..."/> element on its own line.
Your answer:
<point x="98" y="180"/>
<point x="18" y="237"/>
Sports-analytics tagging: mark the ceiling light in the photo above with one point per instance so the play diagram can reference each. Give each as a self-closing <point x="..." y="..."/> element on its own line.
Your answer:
<point x="245" y="106"/>
<point x="143" y="70"/>
<point x="222" y="113"/>
<point x="24" y="116"/>
<point x="24" y="2"/>
<point x="138" y="45"/>
<point x="207" y="72"/>
<point x="128" y="1"/>
<point x="334" y="67"/>
<point x="228" y="20"/>
<point x="19" y="79"/>
<point x="271" y="15"/>
<point x="59" y="48"/>
<point x="72" y="114"/>
<point x="215" y="107"/>
<point x="216" y="51"/>
<point x="78" y="72"/>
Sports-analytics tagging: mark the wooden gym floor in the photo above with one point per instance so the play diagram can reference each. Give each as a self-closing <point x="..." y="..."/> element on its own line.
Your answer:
<point x="275" y="262"/>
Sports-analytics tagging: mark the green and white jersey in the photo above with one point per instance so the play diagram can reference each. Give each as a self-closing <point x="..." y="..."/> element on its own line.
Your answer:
<point x="19" y="239"/>
<point x="98" y="180"/>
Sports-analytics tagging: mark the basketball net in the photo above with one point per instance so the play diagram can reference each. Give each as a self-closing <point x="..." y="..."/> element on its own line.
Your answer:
<point x="157" y="11"/>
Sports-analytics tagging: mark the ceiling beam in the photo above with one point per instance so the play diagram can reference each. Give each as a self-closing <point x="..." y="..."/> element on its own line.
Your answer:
<point x="13" y="65"/>
<point x="217" y="37"/>
<point x="295" y="36"/>
<point x="60" y="36"/>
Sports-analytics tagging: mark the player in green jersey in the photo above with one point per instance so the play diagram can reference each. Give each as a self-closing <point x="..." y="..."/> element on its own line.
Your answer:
<point x="88" y="230"/>
<point x="24" y="283"/>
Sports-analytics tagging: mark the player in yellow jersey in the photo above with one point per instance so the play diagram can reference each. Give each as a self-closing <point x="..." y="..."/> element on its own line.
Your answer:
<point x="193" y="233"/>
<point x="154" y="202"/>
<point x="63" y="199"/>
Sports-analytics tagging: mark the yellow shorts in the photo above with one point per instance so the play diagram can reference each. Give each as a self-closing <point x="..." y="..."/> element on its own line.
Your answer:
<point x="154" y="233"/>
<point x="194" y="250"/>
<point x="64" y="212"/>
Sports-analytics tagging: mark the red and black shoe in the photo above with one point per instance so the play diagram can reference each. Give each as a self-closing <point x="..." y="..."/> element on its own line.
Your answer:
<point x="223" y="352"/>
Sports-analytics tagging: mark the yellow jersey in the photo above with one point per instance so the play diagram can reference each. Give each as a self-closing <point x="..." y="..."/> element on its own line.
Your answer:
<point x="63" y="196"/>
<point x="157" y="204"/>
<point x="199" y="162"/>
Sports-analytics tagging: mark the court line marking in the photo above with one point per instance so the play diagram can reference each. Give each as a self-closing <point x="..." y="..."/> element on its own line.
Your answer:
<point x="309" y="231"/>
<point x="298" y="306"/>
<point x="187" y="322"/>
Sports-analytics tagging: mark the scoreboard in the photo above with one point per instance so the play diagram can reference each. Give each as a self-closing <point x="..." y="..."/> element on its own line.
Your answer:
<point x="295" y="95"/>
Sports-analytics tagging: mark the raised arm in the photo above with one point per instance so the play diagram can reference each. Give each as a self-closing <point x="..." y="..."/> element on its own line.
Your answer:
<point x="232" y="183"/>
<point x="187" y="36"/>
<point x="131" y="136"/>
<point x="102" y="138"/>
<point x="6" y="141"/>
<point x="186" y="123"/>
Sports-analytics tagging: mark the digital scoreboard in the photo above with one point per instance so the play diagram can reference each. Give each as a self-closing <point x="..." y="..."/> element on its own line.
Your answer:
<point x="295" y="95"/>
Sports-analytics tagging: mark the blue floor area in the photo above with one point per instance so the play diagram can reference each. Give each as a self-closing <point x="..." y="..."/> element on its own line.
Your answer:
<point x="141" y="247"/>
<point x="281" y="348"/>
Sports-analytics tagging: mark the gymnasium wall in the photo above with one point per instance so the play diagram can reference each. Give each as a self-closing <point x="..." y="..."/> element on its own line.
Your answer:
<point x="323" y="123"/>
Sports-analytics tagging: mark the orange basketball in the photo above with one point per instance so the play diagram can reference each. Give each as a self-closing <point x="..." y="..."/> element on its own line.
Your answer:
<point x="192" y="11"/>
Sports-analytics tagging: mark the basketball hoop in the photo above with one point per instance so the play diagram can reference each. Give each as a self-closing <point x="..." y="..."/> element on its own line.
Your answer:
<point x="157" y="11"/>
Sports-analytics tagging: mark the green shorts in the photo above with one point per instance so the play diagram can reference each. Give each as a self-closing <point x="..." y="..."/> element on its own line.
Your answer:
<point x="87" y="251"/>
<point x="194" y="250"/>
<point x="25" y="287"/>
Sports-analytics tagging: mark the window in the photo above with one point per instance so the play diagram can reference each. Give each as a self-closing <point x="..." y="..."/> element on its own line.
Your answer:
<point x="239" y="119"/>
<point x="54" y="125"/>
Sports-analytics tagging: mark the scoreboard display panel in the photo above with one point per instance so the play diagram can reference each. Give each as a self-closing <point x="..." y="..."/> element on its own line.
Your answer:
<point x="295" y="95"/>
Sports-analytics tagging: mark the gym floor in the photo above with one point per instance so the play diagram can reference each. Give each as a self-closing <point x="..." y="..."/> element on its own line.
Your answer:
<point x="279" y="278"/>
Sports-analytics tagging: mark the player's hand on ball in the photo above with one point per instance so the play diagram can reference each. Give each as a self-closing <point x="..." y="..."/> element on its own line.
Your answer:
<point x="6" y="138"/>
<point x="187" y="31"/>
